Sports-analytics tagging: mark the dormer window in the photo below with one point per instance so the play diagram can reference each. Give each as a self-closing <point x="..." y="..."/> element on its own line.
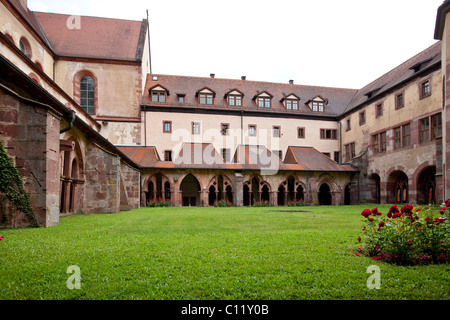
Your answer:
<point x="234" y="98"/>
<point x="317" y="104"/>
<point x="206" y="96"/>
<point x="263" y="100"/>
<point x="291" y="102"/>
<point x="158" y="94"/>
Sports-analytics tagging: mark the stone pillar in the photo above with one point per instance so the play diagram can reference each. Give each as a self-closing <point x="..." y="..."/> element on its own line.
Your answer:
<point x="238" y="190"/>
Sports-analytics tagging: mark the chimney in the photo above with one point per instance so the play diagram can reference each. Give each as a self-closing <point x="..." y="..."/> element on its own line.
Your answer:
<point x="212" y="75"/>
<point x="243" y="77"/>
<point x="291" y="81"/>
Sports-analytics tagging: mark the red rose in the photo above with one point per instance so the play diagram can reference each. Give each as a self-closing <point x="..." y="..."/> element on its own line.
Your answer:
<point x="381" y="224"/>
<point x="366" y="213"/>
<point x="407" y="209"/>
<point x="370" y="219"/>
<point x="447" y="203"/>
<point x="359" y="239"/>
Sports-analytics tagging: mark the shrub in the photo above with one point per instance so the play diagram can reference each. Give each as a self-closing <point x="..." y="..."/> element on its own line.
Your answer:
<point x="222" y="203"/>
<point x="263" y="203"/>
<point x="410" y="235"/>
<point x="158" y="202"/>
<point x="296" y="203"/>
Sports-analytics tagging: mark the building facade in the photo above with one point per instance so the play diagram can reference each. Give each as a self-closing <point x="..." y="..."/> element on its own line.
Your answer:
<point x="91" y="129"/>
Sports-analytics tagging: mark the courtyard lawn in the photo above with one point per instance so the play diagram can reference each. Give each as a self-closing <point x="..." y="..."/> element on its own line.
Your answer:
<point x="207" y="253"/>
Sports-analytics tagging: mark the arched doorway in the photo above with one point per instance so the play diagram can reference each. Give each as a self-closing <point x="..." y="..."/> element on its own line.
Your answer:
<point x="190" y="191"/>
<point x="300" y="195"/>
<point x="347" y="197"/>
<point x="281" y="195"/>
<point x="426" y="186"/>
<point x="398" y="187"/>
<point x="324" y="195"/>
<point x="211" y="196"/>
<point x="374" y="188"/>
<point x="229" y="193"/>
<point x="265" y="193"/>
<point x="246" y="195"/>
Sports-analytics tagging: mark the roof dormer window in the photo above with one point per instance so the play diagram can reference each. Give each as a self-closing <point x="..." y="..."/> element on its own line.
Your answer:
<point x="234" y="98"/>
<point x="317" y="104"/>
<point x="159" y="94"/>
<point x="206" y="96"/>
<point x="263" y="100"/>
<point x="291" y="102"/>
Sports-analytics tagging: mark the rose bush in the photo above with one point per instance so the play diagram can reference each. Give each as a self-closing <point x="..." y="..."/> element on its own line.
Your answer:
<point x="408" y="235"/>
<point x="158" y="202"/>
<point x="222" y="203"/>
<point x="296" y="203"/>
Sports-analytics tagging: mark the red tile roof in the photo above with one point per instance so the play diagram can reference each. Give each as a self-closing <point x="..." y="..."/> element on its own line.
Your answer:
<point x="99" y="38"/>
<point x="427" y="59"/>
<point x="310" y="159"/>
<point x="337" y="99"/>
<point x="247" y="157"/>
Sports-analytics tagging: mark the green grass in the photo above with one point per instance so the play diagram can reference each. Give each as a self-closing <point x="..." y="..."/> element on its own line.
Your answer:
<point x="207" y="253"/>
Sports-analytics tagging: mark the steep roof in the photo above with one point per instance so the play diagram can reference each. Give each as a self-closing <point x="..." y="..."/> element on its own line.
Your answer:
<point x="246" y="157"/>
<point x="422" y="62"/>
<point x="336" y="99"/>
<point x="310" y="159"/>
<point x="93" y="37"/>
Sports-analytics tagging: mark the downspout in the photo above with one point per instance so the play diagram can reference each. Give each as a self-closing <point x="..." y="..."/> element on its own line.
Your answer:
<point x="71" y="120"/>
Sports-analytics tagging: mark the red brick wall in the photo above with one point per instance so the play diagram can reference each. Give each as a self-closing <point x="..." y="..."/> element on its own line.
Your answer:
<point x="30" y="134"/>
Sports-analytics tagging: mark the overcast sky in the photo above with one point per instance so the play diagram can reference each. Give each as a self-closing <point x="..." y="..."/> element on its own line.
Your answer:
<point x="333" y="43"/>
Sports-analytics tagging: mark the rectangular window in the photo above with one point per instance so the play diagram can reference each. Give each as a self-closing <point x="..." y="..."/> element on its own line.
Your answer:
<point x="181" y="98"/>
<point x="424" y="130"/>
<point x="159" y="96"/>
<point x="276" y="132"/>
<point x="263" y="102"/>
<point x="348" y="125"/>
<point x="301" y="133"/>
<point x="206" y="98"/>
<point x="317" y="106"/>
<point x="336" y="156"/>
<point x="291" y="104"/>
<point x="195" y="127"/>
<point x="168" y="155"/>
<point x="224" y="129"/>
<point x="328" y="134"/>
<point x="349" y="151"/>
<point x="378" y="110"/>
<point x="406" y="135"/>
<point x="397" y="138"/>
<point x="436" y="126"/>
<point x="252" y="130"/>
<point x="167" y="126"/>
<point x="226" y="155"/>
<point x="362" y="118"/>
<point x="379" y="142"/>
<point x="234" y="100"/>
<point x="425" y="89"/>
<point x="399" y="101"/>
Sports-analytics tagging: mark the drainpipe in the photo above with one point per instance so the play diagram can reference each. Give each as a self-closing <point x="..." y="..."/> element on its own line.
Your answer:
<point x="70" y="120"/>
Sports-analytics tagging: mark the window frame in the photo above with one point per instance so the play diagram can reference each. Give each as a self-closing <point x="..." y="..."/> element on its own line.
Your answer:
<point x="350" y="152"/>
<point x="379" y="142"/>
<point x="301" y="136"/>
<point x="397" y="104"/>
<point x="331" y="136"/>
<point x="167" y="122"/>
<point x="362" y="117"/>
<point x="88" y="91"/>
<point x="425" y="88"/>
<point x="250" y="131"/>
<point x="379" y="110"/>
<point x="195" y="127"/>
<point x="167" y="155"/>
<point x="206" y="97"/>
<point x="222" y="125"/>
<point x="274" y="128"/>
<point x="232" y="100"/>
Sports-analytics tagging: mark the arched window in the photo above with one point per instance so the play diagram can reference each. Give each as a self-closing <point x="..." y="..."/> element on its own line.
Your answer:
<point x="87" y="94"/>
<point x="25" y="47"/>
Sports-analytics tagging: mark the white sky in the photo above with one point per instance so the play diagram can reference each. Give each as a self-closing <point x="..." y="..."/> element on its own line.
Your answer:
<point x="334" y="43"/>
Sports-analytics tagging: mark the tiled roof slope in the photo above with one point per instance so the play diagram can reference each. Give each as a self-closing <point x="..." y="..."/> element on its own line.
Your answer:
<point x="310" y="159"/>
<point x="30" y="18"/>
<point x="429" y="58"/>
<point x="337" y="98"/>
<point x="96" y="38"/>
<point x="247" y="157"/>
